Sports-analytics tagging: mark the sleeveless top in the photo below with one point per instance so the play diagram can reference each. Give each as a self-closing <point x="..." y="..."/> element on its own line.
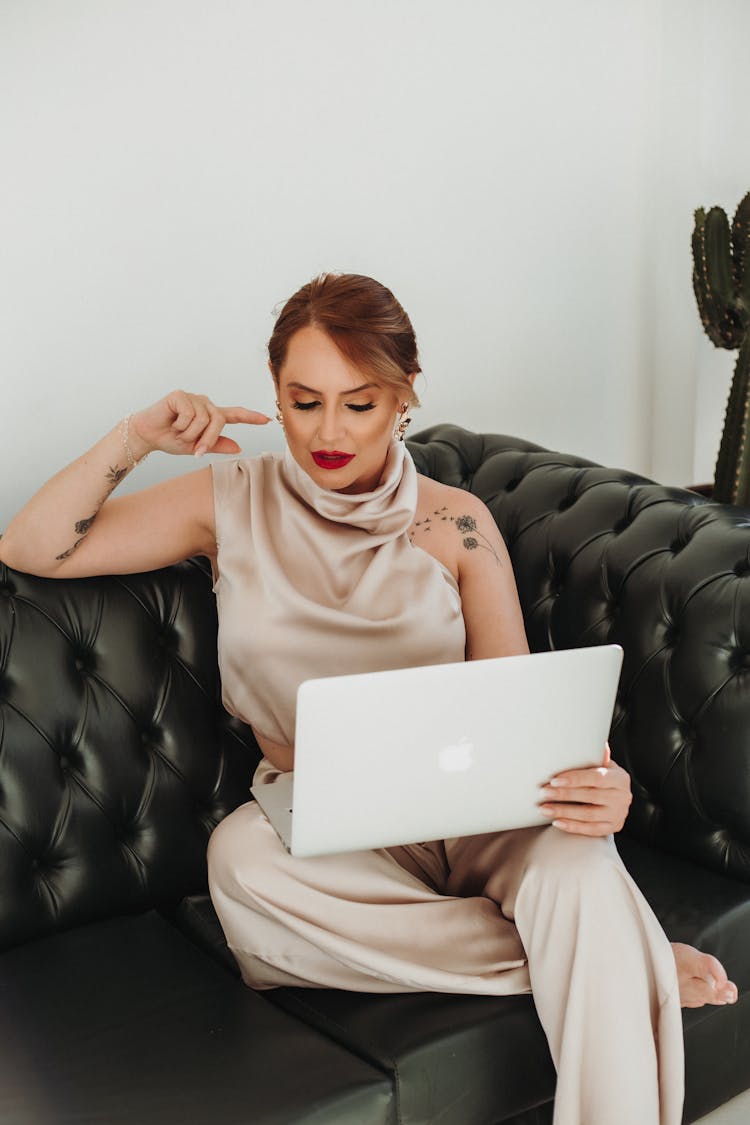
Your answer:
<point x="312" y="582"/>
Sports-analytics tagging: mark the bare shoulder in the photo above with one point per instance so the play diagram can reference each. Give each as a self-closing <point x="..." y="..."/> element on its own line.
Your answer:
<point x="456" y="527"/>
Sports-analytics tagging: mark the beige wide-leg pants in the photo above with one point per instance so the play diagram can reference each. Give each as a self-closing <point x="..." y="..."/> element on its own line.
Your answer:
<point x="533" y="909"/>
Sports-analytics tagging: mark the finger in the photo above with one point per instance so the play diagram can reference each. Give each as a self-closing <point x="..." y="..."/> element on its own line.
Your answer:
<point x="183" y="408"/>
<point x="206" y="442"/>
<point x="577" y="828"/>
<point x="586" y="794"/>
<point x="576" y="812"/>
<point x="223" y="445"/>
<point x="197" y="427"/>
<point x="607" y="754"/>
<point x="241" y="414"/>
<point x="596" y="777"/>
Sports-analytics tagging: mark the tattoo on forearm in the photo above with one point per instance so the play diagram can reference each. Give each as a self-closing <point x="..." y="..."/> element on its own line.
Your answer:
<point x="113" y="477"/>
<point x="85" y="525"/>
<point x="464" y="525"/>
<point x="70" y="550"/>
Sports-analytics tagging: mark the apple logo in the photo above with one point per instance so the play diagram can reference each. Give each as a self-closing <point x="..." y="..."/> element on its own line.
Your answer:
<point x="456" y="758"/>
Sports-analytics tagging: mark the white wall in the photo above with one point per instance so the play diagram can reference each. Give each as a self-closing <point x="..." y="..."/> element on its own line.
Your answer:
<point x="522" y="176"/>
<point x="699" y="158"/>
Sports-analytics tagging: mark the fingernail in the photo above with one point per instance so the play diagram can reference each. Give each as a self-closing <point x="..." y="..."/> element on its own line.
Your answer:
<point x="201" y="449"/>
<point x="546" y="812"/>
<point x="711" y="981"/>
<point x="557" y="781"/>
<point x="558" y="824"/>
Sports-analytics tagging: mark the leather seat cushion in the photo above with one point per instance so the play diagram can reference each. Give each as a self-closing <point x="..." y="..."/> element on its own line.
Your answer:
<point x="127" y="1021"/>
<point x="455" y="1059"/>
<point x="467" y="1060"/>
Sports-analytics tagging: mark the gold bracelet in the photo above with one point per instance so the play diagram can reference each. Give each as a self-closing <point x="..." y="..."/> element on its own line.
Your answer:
<point x="124" y="434"/>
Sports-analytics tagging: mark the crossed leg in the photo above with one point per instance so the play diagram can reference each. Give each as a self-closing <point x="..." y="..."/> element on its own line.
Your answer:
<point x="496" y="914"/>
<point x="602" y="971"/>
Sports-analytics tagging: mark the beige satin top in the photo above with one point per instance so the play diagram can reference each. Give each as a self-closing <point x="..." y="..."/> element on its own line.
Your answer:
<point x="312" y="582"/>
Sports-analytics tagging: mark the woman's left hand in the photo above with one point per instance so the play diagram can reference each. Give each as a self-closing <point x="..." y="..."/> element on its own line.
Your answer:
<point x="591" y="802"/>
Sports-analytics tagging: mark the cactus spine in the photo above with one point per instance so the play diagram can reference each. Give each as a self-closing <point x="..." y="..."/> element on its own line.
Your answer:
<point x="721" y="280"/>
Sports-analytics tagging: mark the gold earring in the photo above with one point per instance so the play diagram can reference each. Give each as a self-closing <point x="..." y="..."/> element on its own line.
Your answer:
<point x="401" y="428"/>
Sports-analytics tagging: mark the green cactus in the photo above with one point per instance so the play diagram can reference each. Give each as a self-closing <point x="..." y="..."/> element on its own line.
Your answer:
<point x="721" y="280"/>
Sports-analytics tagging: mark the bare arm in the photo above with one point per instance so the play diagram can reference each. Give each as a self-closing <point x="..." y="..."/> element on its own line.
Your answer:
<point x="588" y="802"/>
<point x="71" y="528"/>
<point x="489" y="598"/>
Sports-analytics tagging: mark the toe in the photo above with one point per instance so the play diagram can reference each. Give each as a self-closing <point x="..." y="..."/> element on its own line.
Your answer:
<point x="702" y="978"/>
<point x="714" y="969"/>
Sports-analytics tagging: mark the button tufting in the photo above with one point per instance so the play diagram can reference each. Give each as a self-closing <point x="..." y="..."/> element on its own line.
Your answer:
<point x="740" y="660"/>
<point x="83" y="662"/>
<point x="742" y="568"/>
<point x="167" y="639"/>
<point x="620" y="525"/>
<point x="566" y="502"/>
<point x="512" y="484"/>
<point x="6" y="590"/>
<point x="678" y="545"/>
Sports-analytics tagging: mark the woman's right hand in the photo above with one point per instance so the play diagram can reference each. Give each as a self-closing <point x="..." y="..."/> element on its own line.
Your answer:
<point x="188" y="424"/>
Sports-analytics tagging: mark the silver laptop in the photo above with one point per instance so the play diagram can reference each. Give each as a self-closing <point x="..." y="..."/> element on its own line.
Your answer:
<point x="434" y="752"/>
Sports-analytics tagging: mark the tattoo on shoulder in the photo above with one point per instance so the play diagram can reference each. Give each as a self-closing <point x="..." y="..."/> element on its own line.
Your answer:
<point x="466" y="526"/>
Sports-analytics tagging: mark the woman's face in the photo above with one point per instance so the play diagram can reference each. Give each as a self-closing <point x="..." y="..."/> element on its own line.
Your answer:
<point x="338" y="423"/>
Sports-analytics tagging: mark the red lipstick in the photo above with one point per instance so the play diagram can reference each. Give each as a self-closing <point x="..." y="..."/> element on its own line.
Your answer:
<point x="331" y="458"/>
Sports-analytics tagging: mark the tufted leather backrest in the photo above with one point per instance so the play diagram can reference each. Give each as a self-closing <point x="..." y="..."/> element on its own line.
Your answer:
<point x="116" y="757"/>
<point x="601" y="555"/>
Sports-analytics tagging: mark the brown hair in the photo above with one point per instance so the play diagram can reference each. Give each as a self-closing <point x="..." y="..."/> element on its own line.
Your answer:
<point x="364" y="320"/>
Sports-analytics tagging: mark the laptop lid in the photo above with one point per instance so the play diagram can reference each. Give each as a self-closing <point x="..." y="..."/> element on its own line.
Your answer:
<point x="395" y="757"/>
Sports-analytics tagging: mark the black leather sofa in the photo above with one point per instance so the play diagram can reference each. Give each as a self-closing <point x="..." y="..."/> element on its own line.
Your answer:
<point x="118" y="998"/>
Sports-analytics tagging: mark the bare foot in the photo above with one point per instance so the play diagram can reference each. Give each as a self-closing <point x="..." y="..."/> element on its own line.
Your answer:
<point x="702" y="979"/>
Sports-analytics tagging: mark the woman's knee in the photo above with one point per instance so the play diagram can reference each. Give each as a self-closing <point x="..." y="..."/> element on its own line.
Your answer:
<point x="233" y="851"/>
<point x="568" y="858"/>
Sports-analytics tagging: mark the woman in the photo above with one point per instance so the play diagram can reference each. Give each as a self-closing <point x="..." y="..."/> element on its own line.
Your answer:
<point x="339" y="557"/>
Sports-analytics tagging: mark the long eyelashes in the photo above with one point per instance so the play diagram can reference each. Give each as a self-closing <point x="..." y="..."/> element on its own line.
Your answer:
<point x="360" y="409"/>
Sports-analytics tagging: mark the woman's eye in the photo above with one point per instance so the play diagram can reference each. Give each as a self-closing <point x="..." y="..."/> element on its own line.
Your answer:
<point x="359" y="407"/>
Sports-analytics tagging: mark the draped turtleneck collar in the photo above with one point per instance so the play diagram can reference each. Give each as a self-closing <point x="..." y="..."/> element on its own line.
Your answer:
<point x="313" y="582"/>
<point x="387" y="510"/>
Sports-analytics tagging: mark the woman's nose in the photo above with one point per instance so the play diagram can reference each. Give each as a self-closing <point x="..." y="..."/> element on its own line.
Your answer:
<point x="331" y="427"/>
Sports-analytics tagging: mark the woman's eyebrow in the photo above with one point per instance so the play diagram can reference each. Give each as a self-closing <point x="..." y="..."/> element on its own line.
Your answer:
<point x="353" y="391"/>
